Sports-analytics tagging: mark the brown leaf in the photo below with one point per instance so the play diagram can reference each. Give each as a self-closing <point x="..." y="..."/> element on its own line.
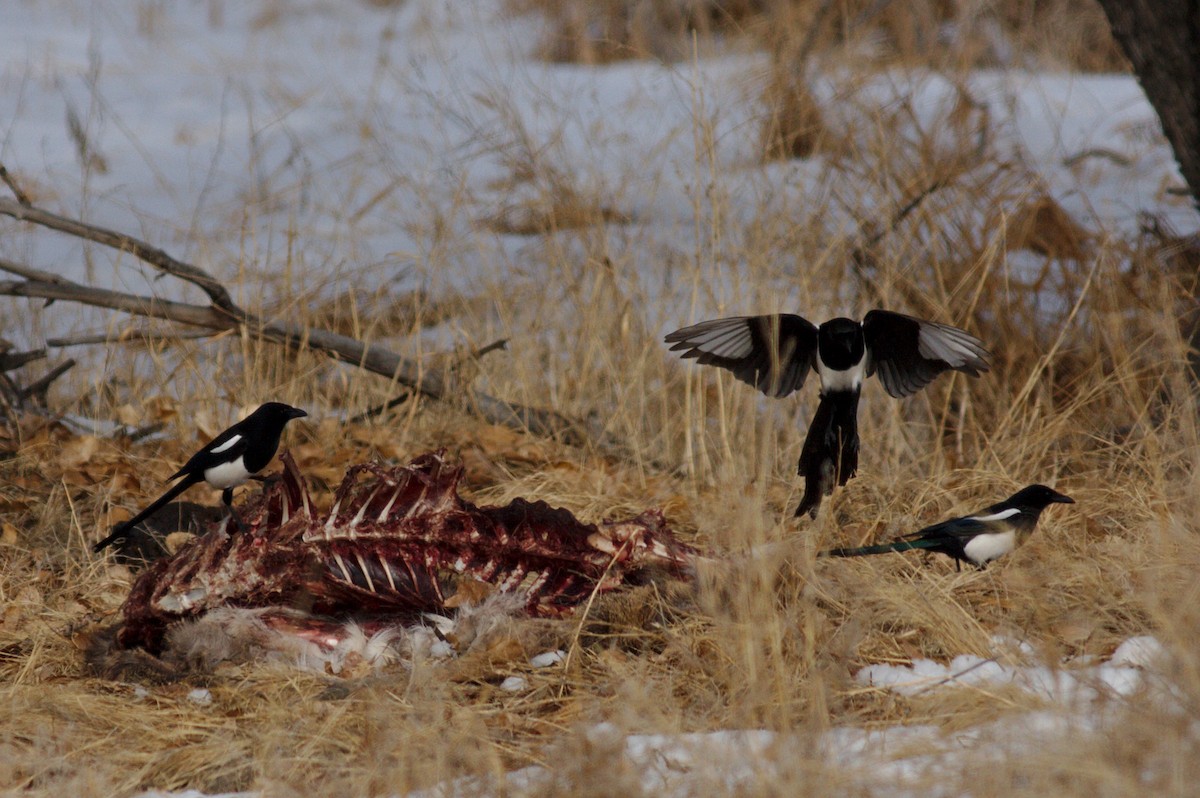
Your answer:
<point x="8" y="534"/>
<point x="78" y="451"/>
<point x="207" y="427"/>
<point x="12" y="618"/>
<point x="123" y="480"/>
<point x="162" y="408"/>
<point x="116" y="515"/>
<point x="29" y="596"/>
<point x="128" y="415"/>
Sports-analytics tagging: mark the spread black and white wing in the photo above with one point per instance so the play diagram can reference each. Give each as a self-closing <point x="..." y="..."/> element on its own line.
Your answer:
<point x="907" y="353"/>
<point x="772" y="353"/>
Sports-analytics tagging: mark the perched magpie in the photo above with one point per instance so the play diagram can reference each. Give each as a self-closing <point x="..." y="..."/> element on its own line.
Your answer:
<point x="774" y="354"/>
<point x="977" y="539"/>
<point x="231" y="458"/>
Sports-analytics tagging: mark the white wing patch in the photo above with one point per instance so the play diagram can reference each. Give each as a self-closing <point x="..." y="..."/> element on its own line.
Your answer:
<point x="1000" y="516"/>
<point x="730" y="338"/>
<point x="950" y="344"/>
<point x="989" y="546"/>
<point x="227" y="475"/>
<point x="229" y="444"/>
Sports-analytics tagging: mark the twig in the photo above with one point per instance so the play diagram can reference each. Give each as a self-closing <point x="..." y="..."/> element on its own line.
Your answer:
<point x="382" y="408"/>
<point x="8" y="362"/>
<point x="37" y="390"/>
<point x="196" y="315"/>
<point x="956" y="676"/>
<point x="135" y="435"/>
<point x="863" y="256"/>
<point x="140" y="249"/>
<point x="21" y="196"/>
<point x="902" y="214"/>
<point x="492" y="347"/>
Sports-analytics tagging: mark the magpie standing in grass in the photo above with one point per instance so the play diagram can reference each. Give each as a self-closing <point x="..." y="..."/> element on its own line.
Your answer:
<point x="775" y="353"/>
<point x="977" y="539"/>
<point x="231" y="458"/>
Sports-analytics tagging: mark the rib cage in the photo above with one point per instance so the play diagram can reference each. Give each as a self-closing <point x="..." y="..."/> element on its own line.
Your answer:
<point x="396" y="542"/>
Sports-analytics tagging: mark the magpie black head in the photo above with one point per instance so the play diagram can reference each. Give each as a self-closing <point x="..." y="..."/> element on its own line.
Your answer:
<point x="1037" y="498"/>
<point x="277" y="412"/>
<point x="840" y="343"/>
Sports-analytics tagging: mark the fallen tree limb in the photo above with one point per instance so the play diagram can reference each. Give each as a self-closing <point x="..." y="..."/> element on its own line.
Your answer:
<point x="14" y="360"/>
<point x="224" y="314"/>
<point x="126" y="337"/>
<point x="396" y="401"/>
<point x="140" y="249"/>
<point x="37" y="390"/>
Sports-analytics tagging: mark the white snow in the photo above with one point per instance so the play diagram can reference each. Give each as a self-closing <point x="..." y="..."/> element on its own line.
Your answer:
<point x="200" y="696"/>
<point x="359" y="145"/>
<point x="1063" y="685"/>
<point x="548" y="658"/>
<point x="514" y="684"/>
<point x="893" y="761"/>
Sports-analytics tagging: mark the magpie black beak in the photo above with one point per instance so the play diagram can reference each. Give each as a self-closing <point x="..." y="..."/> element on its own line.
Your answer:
<point x="296" y="412"/>
<point x="1062" y="499"/>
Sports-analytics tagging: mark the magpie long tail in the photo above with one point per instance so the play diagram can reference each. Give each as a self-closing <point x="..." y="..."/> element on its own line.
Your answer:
<point x="830" y="453"/>
<point x="881" y="548"/>
<point x="122" y="529"/>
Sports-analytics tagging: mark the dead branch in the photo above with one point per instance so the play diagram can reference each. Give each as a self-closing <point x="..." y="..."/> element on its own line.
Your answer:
<point x="119" y="241"/>
<point x="395" y="402"/>
<point x="126" y="337"/>
<point x="864" y="256"/>
<point x="37" y="390"/>
<point x="135" y="435"/>
<point x="224" y="314"/>
<point x="14" y="360"/>
<point x="380" y="409"/>
<point x="21" y="196"/>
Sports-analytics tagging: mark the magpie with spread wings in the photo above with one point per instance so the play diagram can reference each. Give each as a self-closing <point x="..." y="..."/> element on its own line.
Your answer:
<point x="775" y="354"/>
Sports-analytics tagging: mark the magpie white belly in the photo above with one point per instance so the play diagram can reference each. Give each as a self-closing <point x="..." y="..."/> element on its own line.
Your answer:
<point x="227" y="475"/>
<point x="841" y="380"/>
<point x="987" y="547"/>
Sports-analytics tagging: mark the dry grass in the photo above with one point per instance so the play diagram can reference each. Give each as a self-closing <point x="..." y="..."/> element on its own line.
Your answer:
<point x="1066" y="34"/>
<point x="1089" y="392"/>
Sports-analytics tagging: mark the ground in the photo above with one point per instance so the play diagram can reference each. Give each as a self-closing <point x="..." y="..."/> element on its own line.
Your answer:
<point x="434" y="177"/>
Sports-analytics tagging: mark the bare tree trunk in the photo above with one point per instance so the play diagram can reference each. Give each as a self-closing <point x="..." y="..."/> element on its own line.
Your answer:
<point x="1161" y="38"/>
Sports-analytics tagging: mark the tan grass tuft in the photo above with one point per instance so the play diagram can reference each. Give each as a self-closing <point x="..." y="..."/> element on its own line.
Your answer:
<point x="1089" y="392"/>
<point x="1042" y="226"/>
<point x="793" y="126"/>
